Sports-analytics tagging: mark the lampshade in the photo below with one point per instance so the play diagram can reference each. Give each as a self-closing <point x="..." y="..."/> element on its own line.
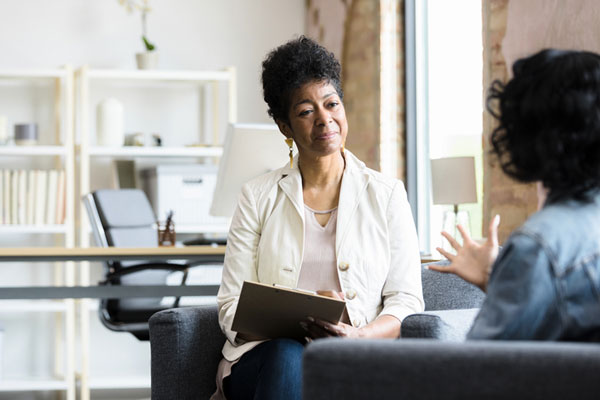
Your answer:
<point x="453" y="180"/>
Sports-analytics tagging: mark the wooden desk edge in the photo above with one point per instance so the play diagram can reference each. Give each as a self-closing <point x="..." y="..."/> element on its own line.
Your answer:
<point x="41" y="252"/>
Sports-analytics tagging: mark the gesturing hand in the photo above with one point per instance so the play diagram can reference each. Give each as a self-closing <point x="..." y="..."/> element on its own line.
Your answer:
<point x="472" y="261"/>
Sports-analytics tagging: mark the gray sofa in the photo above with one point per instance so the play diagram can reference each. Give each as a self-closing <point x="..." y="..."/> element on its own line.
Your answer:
<point x="186" y="342"/>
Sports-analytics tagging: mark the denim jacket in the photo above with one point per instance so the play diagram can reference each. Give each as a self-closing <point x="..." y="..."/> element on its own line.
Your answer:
<point x="545" y="284"/>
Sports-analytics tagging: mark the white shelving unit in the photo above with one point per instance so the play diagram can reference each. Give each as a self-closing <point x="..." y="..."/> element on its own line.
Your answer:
<point x="209" y="84"/>
<point x="61" y="154"/>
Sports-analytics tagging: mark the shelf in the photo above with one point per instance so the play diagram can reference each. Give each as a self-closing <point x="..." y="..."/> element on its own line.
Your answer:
<point x="40" y="229"/>
<point x="33" y="73"/>
<point x="135" y="151"/>
<point x="158" y="75"/>
<point x="130" y="382"/>
<point x="31" y="385"/>
<point x="19" y="306"/>
<point x="33" y="151"/>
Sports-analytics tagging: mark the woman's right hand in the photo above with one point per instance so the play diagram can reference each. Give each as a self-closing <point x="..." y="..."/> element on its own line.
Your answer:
<point x="472" y="261"/>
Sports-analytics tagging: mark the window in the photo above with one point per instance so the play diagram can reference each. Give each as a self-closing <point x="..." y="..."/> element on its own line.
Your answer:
<point x="444" y="56"/>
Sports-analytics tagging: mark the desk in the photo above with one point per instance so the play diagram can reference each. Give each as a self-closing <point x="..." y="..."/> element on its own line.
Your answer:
<point x="40" y="254"/>
<point x="54" y="254"/>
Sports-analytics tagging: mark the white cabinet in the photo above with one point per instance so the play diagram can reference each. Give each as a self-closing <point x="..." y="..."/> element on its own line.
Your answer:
<point x="190" y="111"/>
<point x="33" y="328"/>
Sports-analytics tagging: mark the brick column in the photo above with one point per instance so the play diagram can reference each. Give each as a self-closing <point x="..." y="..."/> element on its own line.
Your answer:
<point x="501" y="195"/>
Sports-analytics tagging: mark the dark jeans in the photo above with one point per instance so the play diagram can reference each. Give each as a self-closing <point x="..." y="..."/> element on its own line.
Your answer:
<point x="271" y="370"/>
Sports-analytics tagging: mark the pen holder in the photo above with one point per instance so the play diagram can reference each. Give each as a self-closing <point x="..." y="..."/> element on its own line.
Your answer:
<point x="166" y="234"/>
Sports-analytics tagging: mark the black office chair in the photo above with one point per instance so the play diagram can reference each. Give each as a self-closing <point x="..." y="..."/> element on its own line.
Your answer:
<point x="124" y="218"/>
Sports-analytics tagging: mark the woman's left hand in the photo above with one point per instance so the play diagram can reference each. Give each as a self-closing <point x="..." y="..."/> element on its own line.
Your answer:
<point x="318" y="328"/>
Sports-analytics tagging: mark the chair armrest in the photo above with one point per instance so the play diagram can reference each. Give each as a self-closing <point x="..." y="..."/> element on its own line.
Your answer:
<point x="185" y="348"/>
<point x="426" y="369"/>
<point x="450" y="325"/>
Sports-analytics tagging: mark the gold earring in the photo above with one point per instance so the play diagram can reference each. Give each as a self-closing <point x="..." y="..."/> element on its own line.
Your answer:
<point x="290" y="143"/>
<point x="343" y="146"/>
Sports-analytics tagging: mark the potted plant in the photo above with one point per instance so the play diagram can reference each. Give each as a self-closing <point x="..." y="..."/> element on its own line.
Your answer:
<point x="147" y="59"/>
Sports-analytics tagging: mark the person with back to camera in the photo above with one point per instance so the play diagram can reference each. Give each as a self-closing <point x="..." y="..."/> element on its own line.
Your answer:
<point x="324" y="222"/>
<point x="545" y="283"/>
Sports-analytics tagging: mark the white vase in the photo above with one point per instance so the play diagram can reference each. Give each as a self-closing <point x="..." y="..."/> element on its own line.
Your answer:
<point x="109" y="123"/>
<point x="147" y="60"/>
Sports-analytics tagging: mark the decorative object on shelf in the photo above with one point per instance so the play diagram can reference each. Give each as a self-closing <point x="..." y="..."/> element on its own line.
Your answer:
<point x="3" y="132"/>
<point x="109" y="123"/>
<point x="156" y="140"/>
<point x="135" y="139"/>
<point x="453" y="182"/>
<point x="140" y="139"/>
<point x="26" y="134"/>
<point x="149" y="58"/>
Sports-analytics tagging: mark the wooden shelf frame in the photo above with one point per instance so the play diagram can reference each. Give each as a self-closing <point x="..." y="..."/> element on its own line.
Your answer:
<point x="86" y="78"/>
<point x="63" y="154"/>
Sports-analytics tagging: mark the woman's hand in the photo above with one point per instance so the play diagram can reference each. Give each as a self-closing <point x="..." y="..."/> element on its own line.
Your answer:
<point x="473" y="261"/>
<point x="318" y="328"/>
<point x="385" y="326"/>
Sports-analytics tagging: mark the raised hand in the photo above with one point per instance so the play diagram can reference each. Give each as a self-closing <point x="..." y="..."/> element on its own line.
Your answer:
<point x="472" y="261"/>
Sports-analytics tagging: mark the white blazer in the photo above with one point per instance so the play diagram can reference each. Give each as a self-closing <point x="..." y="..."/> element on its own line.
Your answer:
<point x="376" y="245"/>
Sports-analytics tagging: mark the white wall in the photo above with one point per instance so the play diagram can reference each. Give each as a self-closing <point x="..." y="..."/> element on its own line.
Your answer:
<point x="189" y="34"/>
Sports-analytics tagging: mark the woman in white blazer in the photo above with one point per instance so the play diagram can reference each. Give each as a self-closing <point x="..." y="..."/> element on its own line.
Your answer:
<point x="324" y="222"/>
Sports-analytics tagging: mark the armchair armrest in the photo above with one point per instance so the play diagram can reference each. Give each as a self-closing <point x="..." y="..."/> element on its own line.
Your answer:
<point x="186" y="348"/>
<point x="422" y="370"/>
<point x="451" y="325"/>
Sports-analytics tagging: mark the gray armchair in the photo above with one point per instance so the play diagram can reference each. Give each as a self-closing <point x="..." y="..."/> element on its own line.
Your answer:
<point x="186" y="343"/>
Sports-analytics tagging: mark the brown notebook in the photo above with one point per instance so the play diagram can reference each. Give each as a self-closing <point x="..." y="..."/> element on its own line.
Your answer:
<point x="275" y="311"/>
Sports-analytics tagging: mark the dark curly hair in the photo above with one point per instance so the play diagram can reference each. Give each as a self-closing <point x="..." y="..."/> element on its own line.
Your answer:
<point x="290" y="66"/>
<point x="549" y="122"/>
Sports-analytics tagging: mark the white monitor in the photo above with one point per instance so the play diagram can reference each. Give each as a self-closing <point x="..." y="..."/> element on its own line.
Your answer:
<point x="250" y="150"/>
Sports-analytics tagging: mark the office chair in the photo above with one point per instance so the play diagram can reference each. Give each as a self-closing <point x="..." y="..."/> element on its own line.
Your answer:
<point x="124" y="218"/>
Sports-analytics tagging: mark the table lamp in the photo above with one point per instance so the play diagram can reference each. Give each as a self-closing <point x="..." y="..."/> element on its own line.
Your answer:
<point x="453" y="182"/>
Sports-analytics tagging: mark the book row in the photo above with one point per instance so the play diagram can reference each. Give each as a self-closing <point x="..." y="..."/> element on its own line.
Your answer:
<point x="32" y="197"/>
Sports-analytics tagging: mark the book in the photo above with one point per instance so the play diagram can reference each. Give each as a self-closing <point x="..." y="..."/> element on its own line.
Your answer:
<point x="22" y="197"/>
<point x="29" y="209"/>
<point x="61" y="197"/>
<point x="6" y="195"/>
<point x="51" y="197"/>
<point x="2" y="197"/>
<point x="271" y="311"/>
<point x="40" y="197"/>
<point x="14" y="196"/>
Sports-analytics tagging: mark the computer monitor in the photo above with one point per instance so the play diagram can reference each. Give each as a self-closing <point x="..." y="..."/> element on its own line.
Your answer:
<point x="250" y="150"/>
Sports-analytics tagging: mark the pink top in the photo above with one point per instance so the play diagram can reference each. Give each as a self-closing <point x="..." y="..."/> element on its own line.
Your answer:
<point x="318" y="271"/>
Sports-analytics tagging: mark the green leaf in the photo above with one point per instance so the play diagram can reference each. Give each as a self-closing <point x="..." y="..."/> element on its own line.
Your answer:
<point x="149" y="46"/>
